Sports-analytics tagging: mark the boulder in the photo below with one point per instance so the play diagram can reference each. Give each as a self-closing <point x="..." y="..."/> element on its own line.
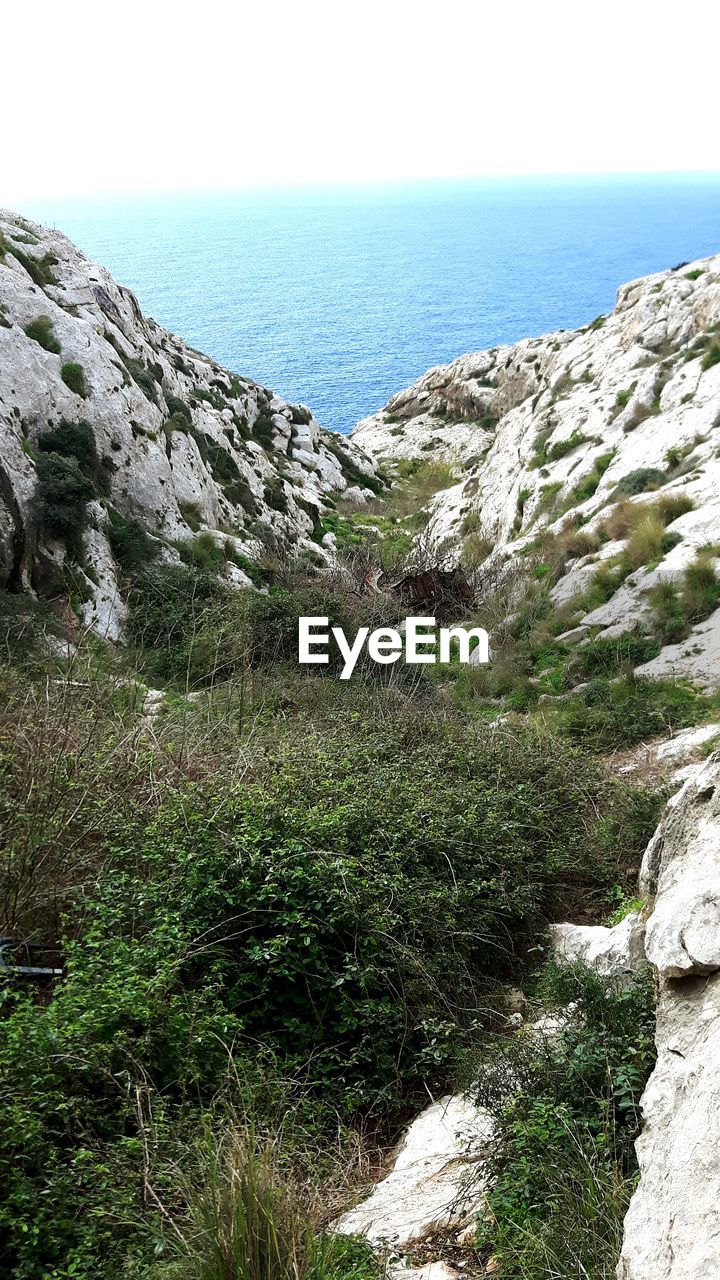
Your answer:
<point x="437" y="1180"/>
<point x="610" y="952"/>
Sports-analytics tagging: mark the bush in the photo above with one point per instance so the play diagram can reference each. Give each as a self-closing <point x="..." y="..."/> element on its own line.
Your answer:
<point x="73" y="375"/>
<point x="624" y="397"/>
<point x="589" y="483"/>
<point x="177" y="408"/>
<point x="580" y="1100"/>
<point x="63" y="492"/>
<point x="678" y="606"/>
<point x="40" y="270"/>
<point x="176" y="621"/>
<point x="275" y="495"/>
<point x="131" y="546"/>
<point x="561" y="447"/>
<point x="76" y="440"/>
<point x="700" y="589"/>
<point x="41" y="331"/>
<point x="142" y="377"/>
<point x="641" y="481"/>
<point x="669" y="617"/>
<point x="711" y="357"/>
<point x="290" y="925"/>
<point x="604" y="657"/>
<point x="264" y="431"/>
<point x="618" y="713"/>
<point x="202" y="553"/>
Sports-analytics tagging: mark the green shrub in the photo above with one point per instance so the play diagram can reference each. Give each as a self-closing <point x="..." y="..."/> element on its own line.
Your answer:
<point x="142" y="377"/>
<point x="561" y="447"/>
<point x="618" y="713"/>
<point x="624" y="397"/>
<point x="130" y="544"/>
<point x="579" y="1100"/>
<point x="247" y="1222"/>
<point x="241" y="495"/>
<point x="700" y="589"/>
<point x="299" y="414"/>
<point x="589" y="483"/>
<point x="678" y="606"/>
<point x="667" y="607"/>
<point x="41" y="331"/>
<point x="223" y="931"/>
<point x="264" y="431"/>
<point x="40" y="270"/>
<point x="176" y="621"/>
<point x="77" y="440"/>
<point x="73" y="375"/>
<point x="275" y="494"/>
<point x="177" y="408"/>
<point x="641" y="481"/>
<point x="23" y="623"/>
<point x="202" y="552"/>
<point x="63" y="492"/>
<point x="605" y="657"/>
<point x="711" y="357"/>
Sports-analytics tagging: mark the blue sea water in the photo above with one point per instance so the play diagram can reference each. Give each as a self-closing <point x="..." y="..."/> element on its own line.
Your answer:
<point x="338" y="297"/>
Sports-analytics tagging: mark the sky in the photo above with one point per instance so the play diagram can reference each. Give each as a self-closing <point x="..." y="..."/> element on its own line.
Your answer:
<point x="150" y="96"/>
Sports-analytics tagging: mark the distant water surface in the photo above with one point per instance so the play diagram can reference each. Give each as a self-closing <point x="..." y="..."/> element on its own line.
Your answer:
<point x="338" y="297"/>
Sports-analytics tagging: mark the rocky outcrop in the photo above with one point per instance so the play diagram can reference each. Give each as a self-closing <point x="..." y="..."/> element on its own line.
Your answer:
<point x="436" y="1183"/>
<point x="172" y="440"/>
<point x="672" y="1230"/>
<point x="610" y="952"/>
<point x="554" y="432"/>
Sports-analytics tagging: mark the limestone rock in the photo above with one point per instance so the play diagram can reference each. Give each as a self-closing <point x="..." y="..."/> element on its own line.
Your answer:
<point x="672" y="1229"/>
<point x="568" y="426"/>
<point x="181" y="442"/>
<point x="684" y="744"/>
<point x="437" y="1179"/>
<point x="609" y="952"/>
<point x="431" y="1271"/>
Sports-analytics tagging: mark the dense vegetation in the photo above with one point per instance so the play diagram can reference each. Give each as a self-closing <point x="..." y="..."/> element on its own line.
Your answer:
<point x="572" y="1093"/>
<point x="287" y="908"/>
<point x="282" y="913"/>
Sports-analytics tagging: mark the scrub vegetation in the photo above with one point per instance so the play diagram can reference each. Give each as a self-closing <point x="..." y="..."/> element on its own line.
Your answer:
<point x="286" y="909"/>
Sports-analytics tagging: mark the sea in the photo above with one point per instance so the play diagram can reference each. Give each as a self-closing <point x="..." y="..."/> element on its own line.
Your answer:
<point x="337" y="297"/>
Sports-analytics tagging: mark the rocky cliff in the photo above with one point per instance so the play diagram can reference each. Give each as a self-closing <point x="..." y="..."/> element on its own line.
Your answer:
<point x="105" y="416"/>
<point x="672" y="1230"/>
<point x="585" y="431"/>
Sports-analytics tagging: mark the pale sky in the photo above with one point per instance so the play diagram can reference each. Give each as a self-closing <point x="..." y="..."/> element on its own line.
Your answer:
<point x="148" y="95"/>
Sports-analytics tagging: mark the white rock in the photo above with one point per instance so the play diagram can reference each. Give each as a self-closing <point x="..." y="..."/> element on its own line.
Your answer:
<point x="437" y="1181"/>
<point x="163" y="471"/>
<point x="431" y="1271"/>
<point x="696" y="659"/>
<point x="609" y="952"/>
<point x="539" y="395"/>
<point x="672" y="1229"/>
<point x="685" y="743"/>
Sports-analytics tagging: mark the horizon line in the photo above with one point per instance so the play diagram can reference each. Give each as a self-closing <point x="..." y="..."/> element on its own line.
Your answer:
<point x="367" y="183"/>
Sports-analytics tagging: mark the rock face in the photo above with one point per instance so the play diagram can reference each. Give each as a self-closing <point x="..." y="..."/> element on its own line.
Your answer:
<point x="553" y="432"/>
<point x="672" y="1230"/>
<point x="179" y="444"/>
<point x="436" y="1182"/>
<point x="609" y="952"/>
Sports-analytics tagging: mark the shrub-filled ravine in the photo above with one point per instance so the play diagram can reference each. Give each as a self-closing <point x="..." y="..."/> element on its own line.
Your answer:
<point x="282" y="915"/>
